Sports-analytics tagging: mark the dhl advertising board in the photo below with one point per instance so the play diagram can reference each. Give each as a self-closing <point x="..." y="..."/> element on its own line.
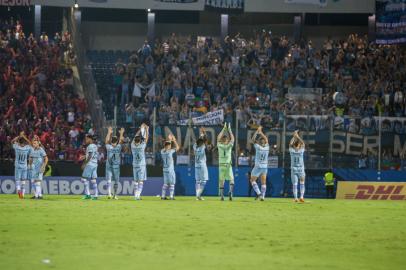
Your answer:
<point x="349" y="190"/>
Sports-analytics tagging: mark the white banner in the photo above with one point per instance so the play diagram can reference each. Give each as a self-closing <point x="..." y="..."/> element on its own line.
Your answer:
<point x="209" y="119"/>
<point x="320" y="3"/>
<point x="300" y="93"/>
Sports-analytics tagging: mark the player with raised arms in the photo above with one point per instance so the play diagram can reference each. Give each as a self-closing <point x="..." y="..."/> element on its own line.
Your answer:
<point x="38" y="161"/>
<point x="261" y="163"/>
<point x="22" y="148"/>
<point x="201" y="172"/>
<point x="168" y="167"/>
<point x="225" y="142"/>
<point x="138" y="146"/>
<point x="296" y="149"/>
<point x="89" y="168"/>
<point x="113" y="162"/>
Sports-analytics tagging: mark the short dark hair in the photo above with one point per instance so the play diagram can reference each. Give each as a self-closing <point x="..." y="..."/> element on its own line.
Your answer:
<point x="137" y="139"/>
<point x="114" y="139"/>
<point x="21" y="140"/>
<point x="200" y="141"/>
<point x="166" y="143"/>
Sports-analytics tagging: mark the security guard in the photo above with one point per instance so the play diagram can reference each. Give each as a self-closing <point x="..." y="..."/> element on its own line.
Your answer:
<point x="329" y="184"/>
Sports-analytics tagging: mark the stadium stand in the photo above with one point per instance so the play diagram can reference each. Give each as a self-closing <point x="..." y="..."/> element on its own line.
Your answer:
<point x="37" y="93"/>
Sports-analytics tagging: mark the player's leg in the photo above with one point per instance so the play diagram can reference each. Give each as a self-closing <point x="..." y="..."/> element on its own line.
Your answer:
<point x="230" y="176"/>
<point x="109" y="176"/>
<point x="23" y="181"/>
<point x="172" y="185"/>
<point x="202" y="183"/>
<point x="115" y="180"/>
<point x="85" y="176"/>
<point x="39" y="184"/>
<point x="302" y="187"/>
<point x="263" y="184"/>
<point x="254" y="177"/>
<point x="165" y="186"/>
<point x="136" y="175"/>
<point x="295" y="180"/>
<point x="221" y="181"/>
<point x="94" y="184"/>
<point x="17" y="177"/>
<point x="197" y="181"/>
<point x="141" y="178"/>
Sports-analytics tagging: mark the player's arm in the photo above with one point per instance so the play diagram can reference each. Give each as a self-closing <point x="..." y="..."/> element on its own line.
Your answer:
<point x="146" y="132"/>
<point x="296" y="135"/>
<point x="231" y="134"/>
<point x="13" y="141"/>
<point x="108" y="136"/>
<point x="22" y="135"/>
<point x="254" y="136"/>
<point x="173" y="139"/>
<point x="261" y="133"/>
<point x="222" y="132"/>
<point x="121" y="139"/>
<point x="44" y="165"/>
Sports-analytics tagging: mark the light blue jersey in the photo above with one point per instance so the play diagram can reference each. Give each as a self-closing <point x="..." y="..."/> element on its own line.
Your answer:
<point x="200" y="155"/>
<point x="21" y="154"/>
<point x="167" y="160"/>
<point x="296" y="158"/>
<point x="138" y="154"/>
<point x="113" y="155"/>
<point x="37" y="155"/>
<point x="91" y="155"/>
<point x="261" y="156"/>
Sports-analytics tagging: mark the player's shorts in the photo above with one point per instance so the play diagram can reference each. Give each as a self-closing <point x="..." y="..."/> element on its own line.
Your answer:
<point x="112" y="173"/>
<point x="257" y="172"/>
<point x="90" y="172"/>
<point x="296" y="174"/>
<point x="226" y="172"/>
<point x="36" y="174"/>
<point x="201" y="174"/>
<point x="169" y="177"/>
<point x="140" y="173"/>
<point x="20" y="174"/>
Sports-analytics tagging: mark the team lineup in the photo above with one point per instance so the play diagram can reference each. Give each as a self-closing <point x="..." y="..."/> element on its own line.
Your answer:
<point x="31" y="160"/>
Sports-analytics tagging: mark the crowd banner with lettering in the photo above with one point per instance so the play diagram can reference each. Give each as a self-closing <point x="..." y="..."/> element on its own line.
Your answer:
<point x="320" y="3"/>
<point x="64" y="185"/>
<point x="297" y="93"/>
<point x="352" y="190"/>
<point x="15" y="3"/>
<point x="390" y="22"/>
<point x="210" y="118"/>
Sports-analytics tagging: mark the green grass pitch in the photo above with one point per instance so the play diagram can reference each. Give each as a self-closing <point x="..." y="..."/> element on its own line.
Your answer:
<point x="64" y="232"/>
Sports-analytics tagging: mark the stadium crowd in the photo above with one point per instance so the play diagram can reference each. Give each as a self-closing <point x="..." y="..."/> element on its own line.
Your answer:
<point x="37" y="94"/>
<point x="358" y="79"/>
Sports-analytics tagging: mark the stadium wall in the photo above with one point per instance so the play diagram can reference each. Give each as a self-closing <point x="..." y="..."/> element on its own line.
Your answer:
<point x="130" y="36"/>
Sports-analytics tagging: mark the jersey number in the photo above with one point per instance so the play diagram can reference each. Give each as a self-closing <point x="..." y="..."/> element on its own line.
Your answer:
<point x="21" y="158"/>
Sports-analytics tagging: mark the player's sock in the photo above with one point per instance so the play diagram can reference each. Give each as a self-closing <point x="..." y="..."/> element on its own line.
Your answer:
<point x="23" y="188"/>
<point x="135" y="189"/>
<point x="231" y="189"/>
<point x="295" y="191"/>
<point x="18" y="185"/>
<point x="302" y="190"/>
<point x="86" y="183"/>
<point x="255" y="187"/>
<point x="171" y="190"/>
<point x="164" y="188"/>
<point x="115" y="187"/>
<point x="201" y="189"/>
<point x="222" y="192"/>
<point x="109" y="188"/>
<point x="37" y="189"/>
<point x="140" y="187"/>
<point x="263" y="191"/>
<point x="95" y="189"/>
<point x="197" y="187"/>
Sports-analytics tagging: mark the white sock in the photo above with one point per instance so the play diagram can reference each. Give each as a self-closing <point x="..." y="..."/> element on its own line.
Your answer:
<point x="255" y="187"/>
<point x="164" y="188"/>
<point x="23" y="187"/>
<point x="18" y="185"/>
<point x="171" y="190"/>
<point x="201" y="189"/>
<point x="295" y="191"/>
<point x="302" y="190"/>
<point x="135" y="189"/>
<point x="38" y="189"/>
<point x="109" y="188"/>
<point x="263" y="190"/>
<point x="95" y="189"/>
<point x="140" y="187"/>
<point x="197" y="187"/>
<point x="86" y="183"/>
